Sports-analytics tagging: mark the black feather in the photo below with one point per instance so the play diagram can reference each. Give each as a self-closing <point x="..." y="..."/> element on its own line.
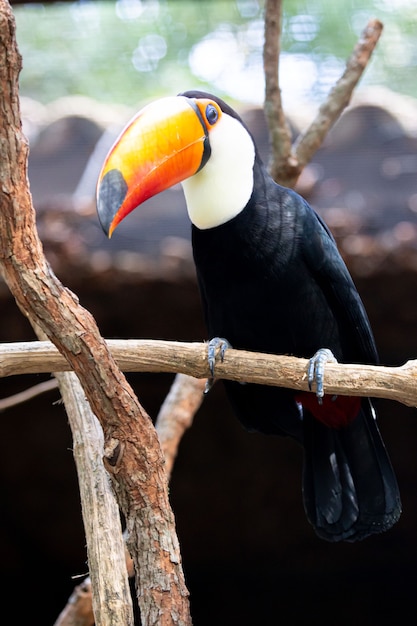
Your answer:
<point x="272" y="280"/>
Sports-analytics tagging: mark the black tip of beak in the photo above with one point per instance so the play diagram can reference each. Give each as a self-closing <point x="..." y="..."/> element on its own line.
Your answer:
<point x="111" y="192"/>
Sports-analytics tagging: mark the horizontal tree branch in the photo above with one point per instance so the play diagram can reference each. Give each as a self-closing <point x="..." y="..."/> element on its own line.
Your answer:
<point x="139" y="355"/>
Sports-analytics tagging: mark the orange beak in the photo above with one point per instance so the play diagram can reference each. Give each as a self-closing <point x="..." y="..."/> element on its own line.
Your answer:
<point x="165" y="143"/>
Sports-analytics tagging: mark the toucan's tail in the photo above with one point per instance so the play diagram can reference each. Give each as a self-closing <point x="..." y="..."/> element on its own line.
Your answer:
<point x="349" y="487"/>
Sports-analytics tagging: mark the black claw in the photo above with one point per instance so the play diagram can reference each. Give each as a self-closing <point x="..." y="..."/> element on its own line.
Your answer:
<point x="216" y="346"/>
<point x="211" y="356"/>
<point x="315" y="372"/>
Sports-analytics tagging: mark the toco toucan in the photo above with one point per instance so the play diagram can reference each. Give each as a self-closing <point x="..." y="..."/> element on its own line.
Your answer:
<point x="271" y="280"/>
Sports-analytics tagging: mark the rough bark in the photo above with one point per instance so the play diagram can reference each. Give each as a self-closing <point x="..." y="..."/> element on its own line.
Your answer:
<point x="111" y="602"/>
<point x="132" y="454"/>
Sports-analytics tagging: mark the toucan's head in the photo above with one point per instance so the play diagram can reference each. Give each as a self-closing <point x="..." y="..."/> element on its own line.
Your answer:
<point x="195" y="139"/>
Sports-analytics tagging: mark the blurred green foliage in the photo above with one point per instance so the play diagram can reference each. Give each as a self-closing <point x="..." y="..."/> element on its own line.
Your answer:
<point x="131" y="50"/>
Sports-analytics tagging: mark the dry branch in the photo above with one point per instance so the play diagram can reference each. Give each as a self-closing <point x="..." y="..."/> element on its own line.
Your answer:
<point x="111" y="597"/>
<point x="279" y="130"/>
<point x="307" y="143"/>
<point x="132" y="453"/>
<point x="175" y="416"/>
<point x="136" y="355"/>
<point x="28" y="394"/>
<point x="177" y="413"/>
<point x="287" y="162"/>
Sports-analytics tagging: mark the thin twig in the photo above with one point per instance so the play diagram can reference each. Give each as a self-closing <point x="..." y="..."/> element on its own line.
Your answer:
<point x="28" y="394"/>
<point x="307" y="143"/>
<point x="288" y="162"/>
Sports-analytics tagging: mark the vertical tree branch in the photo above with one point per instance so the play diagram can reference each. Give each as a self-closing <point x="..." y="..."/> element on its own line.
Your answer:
<point x="287" y="161"/>
<point x="132" y="453"/>
<point x="279" y="130"/>
<point x="111" y="599"/>
<point x="177" y="414"/>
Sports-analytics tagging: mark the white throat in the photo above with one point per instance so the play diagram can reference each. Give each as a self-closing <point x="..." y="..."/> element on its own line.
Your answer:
<point x="222" y="189"/>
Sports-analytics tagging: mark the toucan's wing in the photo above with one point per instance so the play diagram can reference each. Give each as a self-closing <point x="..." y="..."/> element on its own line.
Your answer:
<point x="328" y="269"/>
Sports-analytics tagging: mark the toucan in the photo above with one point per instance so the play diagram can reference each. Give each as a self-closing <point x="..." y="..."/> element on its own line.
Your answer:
<point x="271" y="280"/>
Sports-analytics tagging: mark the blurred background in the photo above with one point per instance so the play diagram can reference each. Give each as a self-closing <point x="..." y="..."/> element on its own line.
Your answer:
<point x="249" y="554"/>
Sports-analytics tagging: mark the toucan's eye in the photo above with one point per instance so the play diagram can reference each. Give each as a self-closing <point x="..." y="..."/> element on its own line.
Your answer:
<point x="212" y="115"/>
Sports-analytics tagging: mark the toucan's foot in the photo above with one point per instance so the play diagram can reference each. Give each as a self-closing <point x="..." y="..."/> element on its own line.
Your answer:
<point x="315" y="370"/>
<point x="216" y="347"/>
